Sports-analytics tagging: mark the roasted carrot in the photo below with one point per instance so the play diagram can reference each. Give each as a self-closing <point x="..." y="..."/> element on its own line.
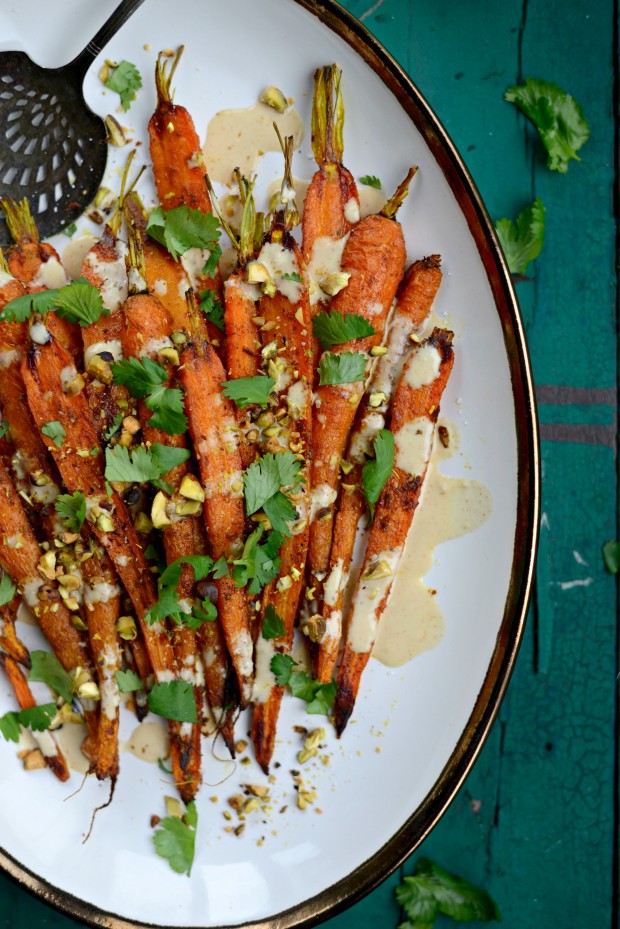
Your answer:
<point x="414" y="414"/>
<point x="286" y="340"/>
<point x="331" y="207"/>
<point x="36" y="264"/>
<point x="178" y="170"/>
<point x="9" y="641"/>
<point x="213" y="428"/>
<point x="52" y="755"/>
<point x="374" y="257"/>
<point x="414" y="300"/>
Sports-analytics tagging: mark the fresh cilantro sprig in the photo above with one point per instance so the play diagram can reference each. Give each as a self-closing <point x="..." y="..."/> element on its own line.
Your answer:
<point x="175" y="839"/>
<point x="611" y="556"/>
<point x="212" y="308"/>
<point x="292" y="276"/>
<point x="182" y="228"/>
<point x="143" y="465"/>
<point x="431" y="890"/>
<point x="72" y="509"/>
<point x="114" y="428"/>
<point x="370" y="180"/>
<point x="5" y="432"/>
<point x="334" y="328"/>
<point x="347" y="368"/>
<point x="168" y="604"/>
<point x="258" y="564"/>
<point x="376" y="471"/>
<point x="54" y="431"/>
<point x="523" y="239"/>
<point x="318" y="697"/>
<point x="174" y="700"/>
<point x="263" y="483"/>
<point x="128" y="681"/>
<point x="45" y="667"/>
<point x="273" y="625"/>
<point x="145" y="379"/>
<point x="7" y="589"/>
<point x="78" y="302"/>
<point x="36" y="718"/>
<point x="557" y="116"/>
<point x="247" y="390"/>
<point x="126" y="81"/>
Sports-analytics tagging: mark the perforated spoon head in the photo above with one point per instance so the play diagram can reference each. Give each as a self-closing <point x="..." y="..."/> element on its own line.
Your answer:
<point x="53" y="148"/>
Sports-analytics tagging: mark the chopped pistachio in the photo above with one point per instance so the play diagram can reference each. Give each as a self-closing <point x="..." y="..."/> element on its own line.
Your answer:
<point x="295" y="573"/>
<point x="100" y="369"/>
<point x="376" y="570"/>
<point x="346" y="466"/>
<point x="47" y="565"/>
<point x="74" y="387"/>
<point x="284" y="583"/>
<point x="116" y="133"/>
<point x="34" y="760"/>
<point x="77" y="622"/>
<point x="173" y="807"/>
<point x="299" y="526"/>
<point x="315" y="626"/>
<point x="377" y="350"/>
<point x="88" y="691"/>
<point x="131" y="425"/>
<point x="126" y="628"/>
<point x="274" y="98"/>
<point x="188" y="507"/>
<point x="104" y="523"/>
<point x="257" y="273"/>
<point x="376" y="400"/>
<point x="169" y="354"/>
<point x="159" y="516"/>
<point x="69" y="581"/>
<point x="335" y="282"/>
<point x="191" y="488"/>
<point x="179" y="338"/>
<point x="143" y="523"/>
<point x="104" y="72"/>
<point x="253" y="803"/>
<point x="104" y="198"/>
<point x="269" y="351"/>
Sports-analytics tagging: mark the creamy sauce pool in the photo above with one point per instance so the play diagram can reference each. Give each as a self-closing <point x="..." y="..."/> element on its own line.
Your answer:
<point x="449" y="508"/>
<point x="237" y="138"/>
<point x="148" y="742"/>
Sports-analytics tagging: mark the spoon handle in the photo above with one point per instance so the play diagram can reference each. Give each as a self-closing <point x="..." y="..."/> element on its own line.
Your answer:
<point x="82" y="62"/>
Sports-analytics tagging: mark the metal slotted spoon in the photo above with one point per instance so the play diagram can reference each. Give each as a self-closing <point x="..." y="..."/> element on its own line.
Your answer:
<point x="53" y="147"/>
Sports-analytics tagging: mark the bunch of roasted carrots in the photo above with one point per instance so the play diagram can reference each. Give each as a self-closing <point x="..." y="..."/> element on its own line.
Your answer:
<point x="185" y="464"/>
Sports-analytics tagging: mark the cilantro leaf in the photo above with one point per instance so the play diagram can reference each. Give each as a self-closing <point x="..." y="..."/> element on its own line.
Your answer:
<point x="281" y="667"/>
<point x="347" y="368"/>
<point x="144" y="378"/>
<point x="611" y="557"/>
<point x="72" y="508"/>
<point x="175" y="840"/>
<point x="70" y="231"/>
<point x="432" y="890"/>
<point x="376" y="471"/>
<point x="247" y="390"/>
<point x="369" y="180"/>
<point x="212" y="308"/>
<point x="36" y="718"/>
<point x="264" y="478"/>
<point x="125" y="80"/>
<point x="319" y="697"/>
<point x="174" y="700"/>
<point x="280" y="511"/>
<point x="142" y="464"/>
<point x="80" y="302"/>
<point x="273" y="625"/>
<point x="141" y="376"/>
<point x="211" y="265"/>
<point x="183" y="228"/>
<point x="258" y="564"/>
<point x="334" y="328"/>
<point x="20" y="309"/>
<point x="46" y="667"/>
<point x="114" y="428"/>
<point x="557" y="116"/>
<point x="168" y="408"/>
<point x="128" y="681"/>
<point x="4" y="430"/>
<point x="54" y="431"/>
<point x="292" y="276"/>
<point x="168" y="604"/>
<point x="202" y="565"/>
<point x="523" y="240"/>
<point x="7" y="589"/>
<point x="205" y="613"/>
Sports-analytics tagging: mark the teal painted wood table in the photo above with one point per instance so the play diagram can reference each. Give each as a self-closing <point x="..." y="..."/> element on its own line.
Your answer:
<point x="536" y="821"/>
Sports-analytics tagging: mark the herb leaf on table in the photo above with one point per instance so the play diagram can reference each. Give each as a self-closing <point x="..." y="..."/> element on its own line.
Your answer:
<point x="523" y="239"/>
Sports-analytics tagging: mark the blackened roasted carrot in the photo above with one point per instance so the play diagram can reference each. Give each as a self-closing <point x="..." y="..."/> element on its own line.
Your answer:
<point x="52" y="755"/>
<point x="414" y="414"/>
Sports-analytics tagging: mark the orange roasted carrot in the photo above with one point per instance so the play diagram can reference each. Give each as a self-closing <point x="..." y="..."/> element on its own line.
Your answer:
<point x="9" y="641"/>
<point x="178" y="170"/>
<point x="36" y="264"/>
<point x="287" y="341"/>
<point x="52" y="755"/>
<point x="213" y="428"/>
<point x="414" y="414"/>
<point x="374" y="257"/>
<point x="414" y="300"/>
